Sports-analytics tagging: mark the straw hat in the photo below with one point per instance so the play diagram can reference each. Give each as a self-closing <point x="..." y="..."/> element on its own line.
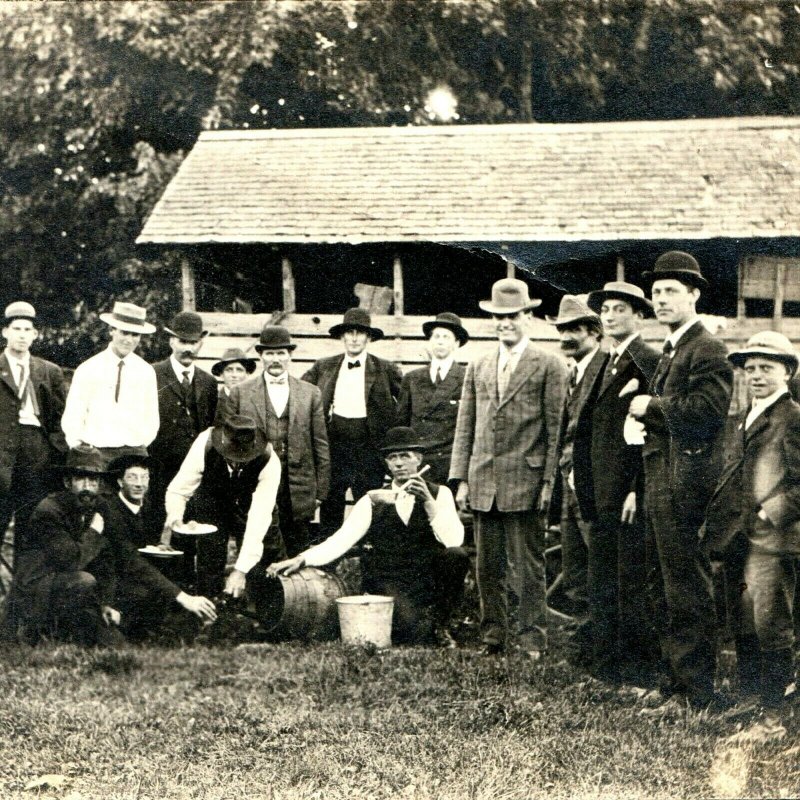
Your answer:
<point x="767" y="344"/>
<point x="128" y="317"/>
<point x="620" y="290"/>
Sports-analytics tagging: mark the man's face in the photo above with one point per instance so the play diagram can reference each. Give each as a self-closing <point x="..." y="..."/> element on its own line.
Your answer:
<point x="764" y="376"/>
<point x="511" y="328"/>
<point x="443" y="342"/>
<point x="403" y="464"/>
<point x="123" y="343"/>
<point x="184" y="351"/>
<point x="619" y="319"/>
<point x="674" y="302"/>
<point x="20" y="334"/>
<point x="354" y="342"/>
<point x="233" y="374"/>
<point x="276" y="362"/>
<point x="134" y="484"/>
<point x="576" y="340"/>
<point x="85" y="487"/>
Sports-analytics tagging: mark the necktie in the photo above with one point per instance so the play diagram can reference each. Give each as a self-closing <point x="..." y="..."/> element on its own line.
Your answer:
<point x="438" y="379"/>
<point x="611" y="368"/>
<point x="663" y="365"/>
<point x="573" y="380"/>
<point x="119" y="381"/>
<point x="24" y="391"/>
<point x="278" y="381"/>
<point x="21" y="385"/>
<point x="353" y="364"/>
<point x="505" y="377"/>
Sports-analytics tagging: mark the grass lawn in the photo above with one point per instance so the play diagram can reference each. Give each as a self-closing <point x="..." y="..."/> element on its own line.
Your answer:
<point x="324" y="721"/>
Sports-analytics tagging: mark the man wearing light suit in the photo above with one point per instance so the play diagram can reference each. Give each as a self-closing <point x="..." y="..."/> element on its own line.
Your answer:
<point x="505" y="445"/>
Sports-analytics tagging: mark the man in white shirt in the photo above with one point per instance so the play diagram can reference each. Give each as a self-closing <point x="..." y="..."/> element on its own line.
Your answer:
<point x="113" y="401"/>
<point x="429" y="396"/>
<point x="413" y="538"/>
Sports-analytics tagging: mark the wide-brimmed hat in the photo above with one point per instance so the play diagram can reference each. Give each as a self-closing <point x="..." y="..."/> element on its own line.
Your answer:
<point x="356" y="319"/>
<point x="231" y="356"/>
<point x="188" y="326"/>
<point x="767" y="344"/>
<point x="571" y="310"/>
<point x="620" y="290"/>
<point x="509" y="296"/>
<point x="401" y="438"/>
<point x="679" y="265"/>
<point x="274" y="337"/>
<point x="20" y="310"/>
<point x="128" y="317"/>
<point x="452" y="322"/>
<point x="137" y="457"/>
<point x="238" y="439"/>
<point x="83" y="460"/>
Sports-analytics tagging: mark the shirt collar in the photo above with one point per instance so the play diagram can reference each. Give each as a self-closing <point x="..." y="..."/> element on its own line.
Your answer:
<point x="677" y="335"/>
<point x="273" y="379"/>
<point x="583" y="363"/>
<point x="442" y="364"/>
<point x="179" y="369"/>
<point x="359" y="359"/>
<point x="765" y="402"/>
<point x="620" y="348"/>
<point x="516" y="350"/>
<point x="25" y="360"/>
<point x="116" y="359"/>
<point x="132" y="506"/>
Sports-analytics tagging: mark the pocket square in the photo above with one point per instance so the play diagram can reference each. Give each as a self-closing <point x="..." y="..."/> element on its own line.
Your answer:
<point x="630" y="387"/>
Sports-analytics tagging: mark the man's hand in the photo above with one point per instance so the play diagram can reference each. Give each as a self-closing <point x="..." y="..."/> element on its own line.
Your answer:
<point x="287" y="567"/>
<point x="545" y="493"/>
<point x="629" y="509"/>
<point x="97" y="522"/>
<point x="462" y="496"/>
<point x="419" y="489"/>
<point x="110" y="615"/>
<point x="198" y="605"/>
<point x="382" y="497"/>
<point x="639" y="405"/>
<point x="235" y="584"/>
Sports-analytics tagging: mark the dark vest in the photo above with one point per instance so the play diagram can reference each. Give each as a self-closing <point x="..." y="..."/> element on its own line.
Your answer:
<point x="278" y="430"/>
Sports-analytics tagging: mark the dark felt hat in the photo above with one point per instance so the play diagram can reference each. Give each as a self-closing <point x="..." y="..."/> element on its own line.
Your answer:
<point x="238" y="439"/>
<point x="231" y="356"/>
<point x="678" y="265"/>
<point x="451" y="322"/>
<point x="188" y="326"/>
<point x="84" y="460"/>
<point x="356" y="319"/>
<point x="137" y="457"/>
<point x="620" y="290"/>
<point x="274" y="337"/>
<point x="401" y="438"/>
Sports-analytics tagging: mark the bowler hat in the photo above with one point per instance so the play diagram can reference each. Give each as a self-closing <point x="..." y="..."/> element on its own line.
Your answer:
<point x="356" y="319"/>
<point x="238" y="439"/>
<point x="767" y="344"/>
<point x="137" y="457"/>
<point x="274" y="337"/>
<point x="188" y="326"/>
<point x="451" y="322"/>
<point x="401" y="438"/>
<point x="231" y="356"/>
<point x="679" y="265"/>
<point x="84" y="460"/>
<point x="20" y="310"/>
<point x="509" y="295"/>
<point x="128" y="317"/>
<point x="620" y="290"/>
<point x="571" y="310"/>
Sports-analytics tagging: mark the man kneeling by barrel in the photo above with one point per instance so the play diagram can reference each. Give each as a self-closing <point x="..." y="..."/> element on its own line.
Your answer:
<point x="411" y="536"/>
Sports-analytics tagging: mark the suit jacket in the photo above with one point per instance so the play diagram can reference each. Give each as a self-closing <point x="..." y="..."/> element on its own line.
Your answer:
<point x="308" y="456"/>
<point x="762" y="472"/>
<point x="381" y="386"/>
<point x="174" y="439"/>
<point x="47" y="381"/>
<point x="615" y="465"/>
<point x="503" y="448"/>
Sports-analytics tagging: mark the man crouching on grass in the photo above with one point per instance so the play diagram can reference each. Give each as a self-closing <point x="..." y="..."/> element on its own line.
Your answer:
<point x="411" y="535"/>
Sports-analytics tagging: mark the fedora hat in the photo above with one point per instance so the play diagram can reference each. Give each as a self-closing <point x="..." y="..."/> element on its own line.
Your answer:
<point x="401" y="438"/>
<point x="356" y="319"/>
<point x="767" y="344"/>
<point x="274" y="337"/>
<point x="452" y="322"/>
<point x="188" y="326"/>
<point x="137" y="457"/>
<point x="128" y="317"/>
<point x="20" y="310"/>
<point x="620" y="290"/>
<point x="679" y="265"/>
<point x="572" y="309"/>
<point x="509" y="295"/>
<point x="231" y="356"/>
<point x="238" y="439"/>
<point x="84" y="460"/>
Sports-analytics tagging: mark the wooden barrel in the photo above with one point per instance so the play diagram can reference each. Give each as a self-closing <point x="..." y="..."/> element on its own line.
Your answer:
<point x="302" y="605"/>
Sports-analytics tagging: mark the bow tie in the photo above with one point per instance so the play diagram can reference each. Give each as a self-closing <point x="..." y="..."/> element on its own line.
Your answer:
<point x="353" y="364"/>
<point x="277" y="381"/>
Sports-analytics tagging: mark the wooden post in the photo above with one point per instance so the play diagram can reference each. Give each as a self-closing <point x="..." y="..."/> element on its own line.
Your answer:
<point x="780" y="289"/>
<point x="187" y="286"/>
<point x="511" y="270"/>
<point x="620" y="269"/>
<point x="287" y="278"/>
<point x="741" y="309"/>
<point x="398" y="287"/>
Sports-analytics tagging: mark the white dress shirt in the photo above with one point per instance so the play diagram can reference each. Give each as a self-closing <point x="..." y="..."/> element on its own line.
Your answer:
<point x="278" y="391"/>
<point x="132" y="506"/>
<point x="760" y="405"/>
<point x="259" y="517"/>
<point x="442" y="366"/>
<point x="349" y="396"/>
<point x="580" y="366"/>
<point x="616" y="351"/>
<point x="446" y="525"/>
<point x="677" y="335"/>
<point x="27" y="416"/>
<point x="92" y="415"/>
<point x="179" y="369"/>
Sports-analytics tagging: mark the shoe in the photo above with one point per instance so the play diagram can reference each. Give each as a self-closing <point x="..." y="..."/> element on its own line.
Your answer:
<point x="493" y="649"/>
<point x="445" y="639"/>
<point x="745" y="709"/>
<point x="768" y="729"/>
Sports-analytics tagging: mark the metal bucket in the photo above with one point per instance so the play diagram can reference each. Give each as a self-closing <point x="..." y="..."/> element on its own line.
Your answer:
<point x="366" y="619"/>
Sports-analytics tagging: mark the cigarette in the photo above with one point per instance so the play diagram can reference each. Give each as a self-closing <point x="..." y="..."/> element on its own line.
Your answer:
<point x="418" y="475"/>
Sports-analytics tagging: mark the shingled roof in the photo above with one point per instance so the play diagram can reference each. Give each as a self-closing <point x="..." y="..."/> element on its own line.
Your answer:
<point x="688" y="179"/>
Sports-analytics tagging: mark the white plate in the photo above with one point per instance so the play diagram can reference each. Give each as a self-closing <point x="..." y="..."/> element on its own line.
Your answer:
<point x="152" y="550"/>
<point x="199" y="529"/>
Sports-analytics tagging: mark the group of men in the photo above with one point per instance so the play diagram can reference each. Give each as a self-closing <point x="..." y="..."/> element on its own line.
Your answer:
<point x="622" y="445"/>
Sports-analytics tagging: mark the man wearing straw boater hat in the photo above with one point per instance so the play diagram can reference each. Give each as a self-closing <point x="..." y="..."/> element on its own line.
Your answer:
<point x="232" y="475"/>
<point x="503" y="452"/>
<point x="113" y="401"/>
<point x="359" y="391"/>
<point x="753" y="522"/>
<point x="429" y="396"/>
<point x="683" y="413"/>
<point x="414" y="536"/>
<point x="289" y="412"/>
